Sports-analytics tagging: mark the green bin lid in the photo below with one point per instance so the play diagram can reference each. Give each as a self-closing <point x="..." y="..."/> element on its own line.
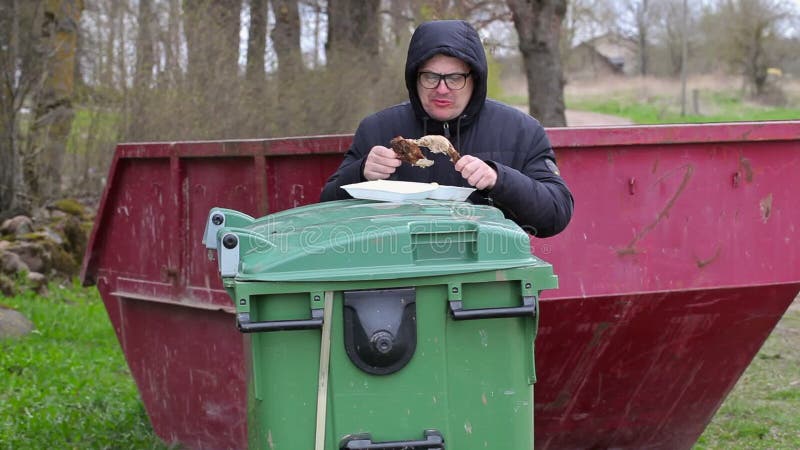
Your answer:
<point x="366" y="240"/>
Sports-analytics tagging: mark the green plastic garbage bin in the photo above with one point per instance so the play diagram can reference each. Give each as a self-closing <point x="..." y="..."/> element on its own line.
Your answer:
<point x="432" y="322"/>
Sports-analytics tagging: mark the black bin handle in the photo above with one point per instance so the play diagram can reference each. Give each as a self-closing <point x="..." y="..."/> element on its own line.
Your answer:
<point x="528" y="308"/>
<point x="244" y="324"/>
<point x="433" y="440"/>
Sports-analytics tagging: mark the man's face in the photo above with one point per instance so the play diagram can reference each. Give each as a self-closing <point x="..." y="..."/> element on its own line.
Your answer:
<point x="443" y="103"/>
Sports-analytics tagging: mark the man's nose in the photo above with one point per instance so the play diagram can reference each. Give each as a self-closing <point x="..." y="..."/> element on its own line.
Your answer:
<point x="442" y="87"/>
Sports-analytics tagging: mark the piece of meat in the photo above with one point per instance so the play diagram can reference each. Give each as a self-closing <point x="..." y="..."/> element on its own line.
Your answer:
<point x="409" y="152"/>
<point x="438" y="144"/>
<point x="409" y="149"/>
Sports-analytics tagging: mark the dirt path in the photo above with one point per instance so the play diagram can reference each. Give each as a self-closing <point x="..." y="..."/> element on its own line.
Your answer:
<point x="577" y="118"/>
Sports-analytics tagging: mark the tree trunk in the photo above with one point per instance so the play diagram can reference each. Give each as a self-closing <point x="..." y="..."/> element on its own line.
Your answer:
<point x="145" y="60"/>
<point x="107" y="70"/>
<point x="642" y="26"/>
<point x="257" y="42"/>
<point x="54" y="113"/>
<point x="399" y="11"/>
<point x="172" y="46"/>
<point x="143" y="76"/>
<point x="9" y="36"/>
<point x="353" y="27"/>
<point x="286" y="39"/>
<point x="212" y="38"/>
<point x="194" y="12"/>
<point x="353" y="47"/>
<point x="538" y="25"/>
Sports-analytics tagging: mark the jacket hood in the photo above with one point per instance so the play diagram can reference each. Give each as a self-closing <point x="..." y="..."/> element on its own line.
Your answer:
<point x="455" y="38"/>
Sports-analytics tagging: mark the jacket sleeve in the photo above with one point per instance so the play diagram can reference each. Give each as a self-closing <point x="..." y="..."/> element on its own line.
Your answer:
<point x="351" y="170"/>
<point x="534" y="196"/>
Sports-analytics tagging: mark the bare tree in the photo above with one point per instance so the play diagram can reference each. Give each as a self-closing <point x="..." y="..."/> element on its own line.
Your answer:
<point x="286" y="39"/>
<point x="353" y="26"/>
<point x="212" y="39"/>
<point x="42" y="163"/>
<point x="20" y="73"/>
<point x="641" y="14"/>
<point x="212" y="43"/>
<point x="673" y="25"/>
<point x="171" y="42"/>
<point x="353" y="43"/>
<point x="400" y="20"/>
<point x="538" y="25"/>
<point x="744" y="33"/>
<point x="143" y="75"/>
<point x="256" y="42"/>
<point x="635" y="20"/>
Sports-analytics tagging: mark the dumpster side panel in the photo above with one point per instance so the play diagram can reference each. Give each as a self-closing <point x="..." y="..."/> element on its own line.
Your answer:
<point x="197" y="378"/>
<point x="298" y="180"/>
<point x="672" y="217"/>
<point x="136" y="219"/>
<point x="683" y="251"/>
<point x="680" y="259"/>
<point x="647" y="370"/>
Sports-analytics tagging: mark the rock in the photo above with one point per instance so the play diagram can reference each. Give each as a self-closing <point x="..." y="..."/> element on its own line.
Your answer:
<point x="63" y="263"/>
<point x="34" y="255"/>
<point x="37" y="283"/>
<point x="7" y="286"/>
<point x="11" y="263"/>
<point x="48" y="233"/>
<point x="17" y="226"/>
<point x="13" y="323"/>
<point x="13" y="212"/>
<point x="4" y="245"/>
<point x="75" y="238"/>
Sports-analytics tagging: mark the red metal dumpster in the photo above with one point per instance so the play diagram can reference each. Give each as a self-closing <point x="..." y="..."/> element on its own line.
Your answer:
<point x="683" y="254"/>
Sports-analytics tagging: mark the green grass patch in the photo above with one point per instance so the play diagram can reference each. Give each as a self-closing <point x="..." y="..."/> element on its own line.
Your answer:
<point x="715" y="107"/>
<point x="763" y="409"/>
<point x="67" y="385"/>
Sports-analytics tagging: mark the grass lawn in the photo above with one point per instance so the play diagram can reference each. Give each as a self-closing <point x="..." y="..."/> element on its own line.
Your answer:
<point x="658" y="111"/>
<point x="657" y="101"/>
<point x="67" y="384"/>
<point x="763" y="410"/>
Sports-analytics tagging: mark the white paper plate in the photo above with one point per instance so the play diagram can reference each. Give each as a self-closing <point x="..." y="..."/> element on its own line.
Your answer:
<point x="451" y="193"/>
<point x="389" y="190"/>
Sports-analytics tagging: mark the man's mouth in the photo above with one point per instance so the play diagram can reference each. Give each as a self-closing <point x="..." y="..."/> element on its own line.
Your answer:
<point x="441" y="102"/>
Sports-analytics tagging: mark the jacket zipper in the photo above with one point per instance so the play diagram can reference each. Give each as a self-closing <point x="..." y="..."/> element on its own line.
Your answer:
<point x="447" y="130"/>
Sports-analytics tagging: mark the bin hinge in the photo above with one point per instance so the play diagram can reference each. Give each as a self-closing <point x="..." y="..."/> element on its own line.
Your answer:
<point x="219" y="218"/>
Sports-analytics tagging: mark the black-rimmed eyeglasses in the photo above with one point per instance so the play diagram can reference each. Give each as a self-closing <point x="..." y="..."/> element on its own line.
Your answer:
<point x="454" y="81"/>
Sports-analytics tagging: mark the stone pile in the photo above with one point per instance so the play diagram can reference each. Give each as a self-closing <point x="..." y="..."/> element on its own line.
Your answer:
<point x="35" y="251"/>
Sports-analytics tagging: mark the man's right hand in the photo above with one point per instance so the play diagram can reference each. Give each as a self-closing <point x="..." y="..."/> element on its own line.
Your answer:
<point x="381" y="163"/>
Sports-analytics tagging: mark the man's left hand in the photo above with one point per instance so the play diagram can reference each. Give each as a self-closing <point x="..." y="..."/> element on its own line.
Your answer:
<point x="477" y="173"/>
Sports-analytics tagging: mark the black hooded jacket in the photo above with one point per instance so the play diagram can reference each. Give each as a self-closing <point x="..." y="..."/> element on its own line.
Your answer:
<point x="529" y="189"/>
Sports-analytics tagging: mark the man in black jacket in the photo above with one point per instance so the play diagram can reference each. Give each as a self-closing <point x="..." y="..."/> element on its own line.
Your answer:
<point x="506" y="154"/>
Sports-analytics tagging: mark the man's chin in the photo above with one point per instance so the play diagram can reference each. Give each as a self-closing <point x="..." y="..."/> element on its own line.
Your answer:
<point x="443" y="117"/>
